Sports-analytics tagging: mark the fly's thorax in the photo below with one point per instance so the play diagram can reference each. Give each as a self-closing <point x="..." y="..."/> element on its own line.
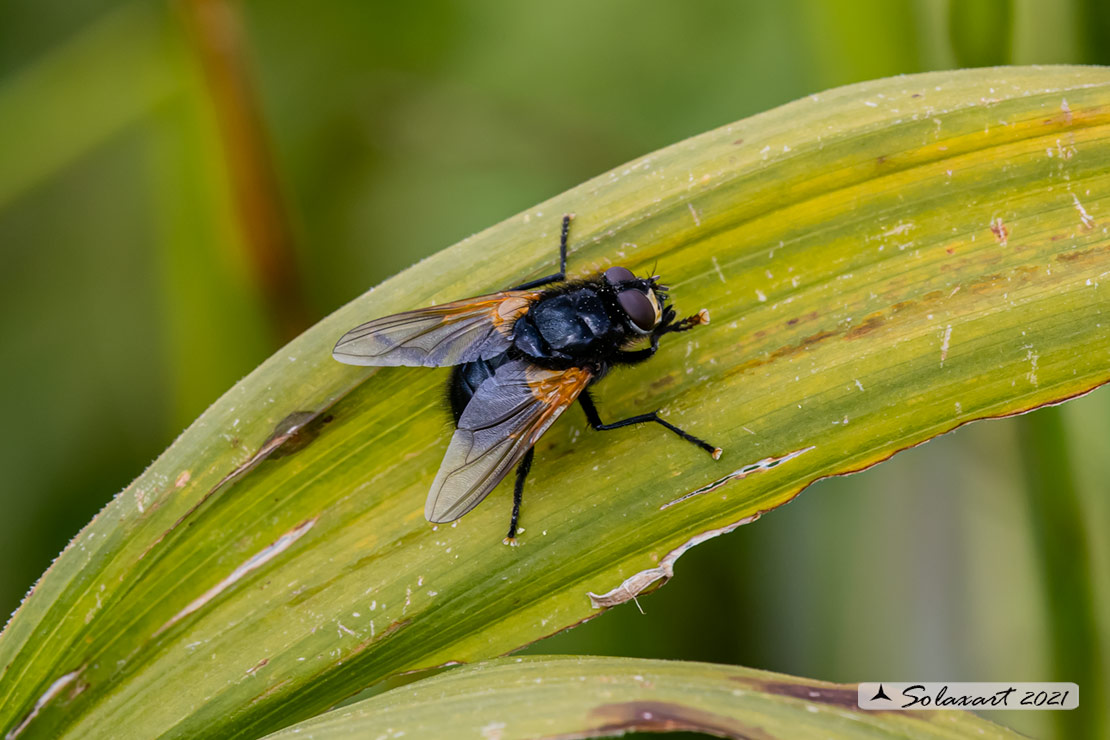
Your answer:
<point x="566" y="324"/>
<point x="587" y="322"/>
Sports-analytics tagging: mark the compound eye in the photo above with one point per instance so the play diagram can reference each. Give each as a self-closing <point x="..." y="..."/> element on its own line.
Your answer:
<point x="617" y="275"/>
<point x="640" y="309"/>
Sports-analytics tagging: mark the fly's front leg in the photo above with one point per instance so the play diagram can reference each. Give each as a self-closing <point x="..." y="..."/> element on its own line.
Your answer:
<point x="561" y="275"/>
<point x="595" y="421"/>
<point x="666" y="326"/>
<point x="686" y="324"/>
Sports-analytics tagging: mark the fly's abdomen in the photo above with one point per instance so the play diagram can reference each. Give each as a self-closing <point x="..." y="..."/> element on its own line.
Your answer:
<point x="465" y="380"/>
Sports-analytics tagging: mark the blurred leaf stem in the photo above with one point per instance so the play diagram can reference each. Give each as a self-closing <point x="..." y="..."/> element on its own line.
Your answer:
<point x="216" y="34"/>
<point x="1060" y="537"/>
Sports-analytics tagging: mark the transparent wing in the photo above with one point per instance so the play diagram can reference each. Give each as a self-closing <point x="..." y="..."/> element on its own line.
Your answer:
<point x="449" y="334"/>
<point x="507" y="414"/>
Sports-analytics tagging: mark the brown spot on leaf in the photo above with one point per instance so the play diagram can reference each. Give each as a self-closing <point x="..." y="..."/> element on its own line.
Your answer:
<point x="1076" y="255"/>
<point x="820" y="336"/>
<point x="843" y="696"/>
<point x="869" y="324"/>
<point x="986" y="283"/>
<point x="301" y="433"/>
<point x="292" y="433"/>
<point x="749" y="365"/>
<point x="663" y="381"/>
<point x="785" y="351"/>
<point x="277" y="687"/>
<point x="387" y="632"/>
<point x="660" y="716"/>
<point x="1076" y="118"/>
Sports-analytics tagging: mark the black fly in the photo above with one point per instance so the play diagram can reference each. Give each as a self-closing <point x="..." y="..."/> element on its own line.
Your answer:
<point x="520" y="358"/>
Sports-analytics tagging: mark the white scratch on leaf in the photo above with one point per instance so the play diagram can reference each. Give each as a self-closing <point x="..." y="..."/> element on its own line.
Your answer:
<point x="717" y="267"/>
<point x="759" y="466"/>
<point x="493" y="731"/>
<point x="636" y="584"/>
<point x="1083" y="215"/>
<point x="47" y="696"/>
<point x="694" y="213"/>
<point x="260" y="558"/>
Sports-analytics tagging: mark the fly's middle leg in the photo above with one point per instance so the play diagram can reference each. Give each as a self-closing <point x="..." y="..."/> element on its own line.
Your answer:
<point x="595" y="421"/>
<point x="518" y="493"/>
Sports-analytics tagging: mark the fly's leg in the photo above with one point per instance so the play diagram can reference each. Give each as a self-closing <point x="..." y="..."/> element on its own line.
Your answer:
<point x="595" y="421"/>
<point x="562" y="273"/>
<point x="667" y="326"/>
<point x="688" y="323"/>
<point x="518" y="493"/>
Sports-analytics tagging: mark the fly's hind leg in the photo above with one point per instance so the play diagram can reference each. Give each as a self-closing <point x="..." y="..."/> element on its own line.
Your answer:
<point x="561" y="275"/>
<point x="595" y="421"/>
<point x="518" y="493"/>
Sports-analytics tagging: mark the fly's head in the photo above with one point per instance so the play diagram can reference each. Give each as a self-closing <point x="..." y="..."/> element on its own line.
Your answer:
<point x="643" y="301"/>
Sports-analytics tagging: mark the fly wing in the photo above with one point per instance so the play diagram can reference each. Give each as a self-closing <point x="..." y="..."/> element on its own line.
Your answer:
<point x="448" y="334"/>
<point x="507" y="414"/>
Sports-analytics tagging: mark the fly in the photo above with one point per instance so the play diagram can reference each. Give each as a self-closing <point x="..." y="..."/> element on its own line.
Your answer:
<point x="519" y="358"/>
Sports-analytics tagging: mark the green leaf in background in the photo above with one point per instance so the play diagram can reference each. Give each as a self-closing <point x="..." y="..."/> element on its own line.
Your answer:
<point x="883" y="263"/>
<point x="565" y="697"/>
<point x="981" y="32"/>
<point x="42" y="103"/>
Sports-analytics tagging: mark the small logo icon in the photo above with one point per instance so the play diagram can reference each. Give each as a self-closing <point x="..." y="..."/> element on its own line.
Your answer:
<point x="880" y="694"/>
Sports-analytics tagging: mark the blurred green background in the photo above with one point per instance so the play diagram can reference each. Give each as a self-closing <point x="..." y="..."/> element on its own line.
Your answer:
<point x="185" y="185"/>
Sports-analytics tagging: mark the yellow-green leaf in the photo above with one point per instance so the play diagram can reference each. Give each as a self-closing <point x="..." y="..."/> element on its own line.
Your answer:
<point x="580" y="697"/>
<point x="882" y="262"/>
